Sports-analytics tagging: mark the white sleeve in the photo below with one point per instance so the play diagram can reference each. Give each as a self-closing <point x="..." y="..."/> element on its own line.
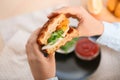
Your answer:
<point x="54" y="78"/>
<point x="110" y="36"/>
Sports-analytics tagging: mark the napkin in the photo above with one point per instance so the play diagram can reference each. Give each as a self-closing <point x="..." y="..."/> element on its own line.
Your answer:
<point x="13" y="59"/>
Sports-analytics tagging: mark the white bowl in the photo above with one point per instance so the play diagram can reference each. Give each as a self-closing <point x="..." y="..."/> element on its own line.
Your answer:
<point x="64" y="52"/>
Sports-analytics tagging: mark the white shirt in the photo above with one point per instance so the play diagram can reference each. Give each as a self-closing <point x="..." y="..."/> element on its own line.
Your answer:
<point x="110" y="36"/>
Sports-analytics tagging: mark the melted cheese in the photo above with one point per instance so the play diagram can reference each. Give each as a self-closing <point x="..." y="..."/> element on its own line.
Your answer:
<point x="63" y="25"/>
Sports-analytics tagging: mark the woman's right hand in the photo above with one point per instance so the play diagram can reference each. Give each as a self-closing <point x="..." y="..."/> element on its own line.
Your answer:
<point x="42" y="67"/>
<point x="88" y="25"/>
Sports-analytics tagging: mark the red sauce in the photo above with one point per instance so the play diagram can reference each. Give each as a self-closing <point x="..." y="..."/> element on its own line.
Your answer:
<point x="86" y="48"/>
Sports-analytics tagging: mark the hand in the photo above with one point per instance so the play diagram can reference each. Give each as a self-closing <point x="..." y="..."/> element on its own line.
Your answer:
<point x="88" y="25"/>
<point x="42" y="67"/>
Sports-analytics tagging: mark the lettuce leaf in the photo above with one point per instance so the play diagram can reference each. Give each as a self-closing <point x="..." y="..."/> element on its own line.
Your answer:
<point x="55" y="36"/>
<point x="69" y="44"/>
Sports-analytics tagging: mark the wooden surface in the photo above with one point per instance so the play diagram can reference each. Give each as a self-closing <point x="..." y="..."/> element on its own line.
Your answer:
<point x="10" y="8"/>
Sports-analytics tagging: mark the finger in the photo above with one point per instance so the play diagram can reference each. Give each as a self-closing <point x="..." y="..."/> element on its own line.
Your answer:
<point x="79" y="26"/>
<point x="52" y="15"/>
<point x="37" y="31"/>
<point x="33" y="52"/>
<point x="33" y="38"/>
<point x="80" y="22"/>
<point x="35" y="34"/>
<point x="69" y="12"/>
<point x="51" y="56"/>
<point x="28" y="49"/>
<point x="29" y="46"/>
<point x="37" y="52"/>
<point x="68" y="15"/>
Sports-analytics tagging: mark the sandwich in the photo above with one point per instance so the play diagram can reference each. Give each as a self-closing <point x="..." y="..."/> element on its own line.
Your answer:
<point x="56" y="33"/>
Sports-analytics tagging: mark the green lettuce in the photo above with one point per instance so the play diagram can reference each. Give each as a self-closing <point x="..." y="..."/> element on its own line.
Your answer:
<point x="69" y="44"/>
<point x="55" y="36"/>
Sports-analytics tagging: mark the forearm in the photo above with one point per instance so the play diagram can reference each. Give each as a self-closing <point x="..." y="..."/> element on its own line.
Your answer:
<point x="110" y="36"/>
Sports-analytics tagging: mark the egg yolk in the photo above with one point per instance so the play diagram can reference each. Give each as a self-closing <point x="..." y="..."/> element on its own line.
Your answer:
<point x="63" y="25"/>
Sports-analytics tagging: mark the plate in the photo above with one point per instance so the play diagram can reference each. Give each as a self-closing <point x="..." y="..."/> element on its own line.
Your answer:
<point x="69" y="51"/>
<point x="69" y="67"/>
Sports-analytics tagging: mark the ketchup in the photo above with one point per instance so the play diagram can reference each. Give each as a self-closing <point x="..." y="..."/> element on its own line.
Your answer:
<point x="86" y="48"/>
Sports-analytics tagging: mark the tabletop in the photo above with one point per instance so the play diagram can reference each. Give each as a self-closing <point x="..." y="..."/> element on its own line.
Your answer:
<point x="10" y="8"/>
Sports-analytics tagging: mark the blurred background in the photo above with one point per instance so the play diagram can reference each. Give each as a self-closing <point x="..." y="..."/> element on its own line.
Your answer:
<point x="9" y="8"/>
<point x="19" y="18"/>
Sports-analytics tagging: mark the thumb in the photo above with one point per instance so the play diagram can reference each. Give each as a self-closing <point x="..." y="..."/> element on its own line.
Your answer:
<point x="80" y="27"/>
